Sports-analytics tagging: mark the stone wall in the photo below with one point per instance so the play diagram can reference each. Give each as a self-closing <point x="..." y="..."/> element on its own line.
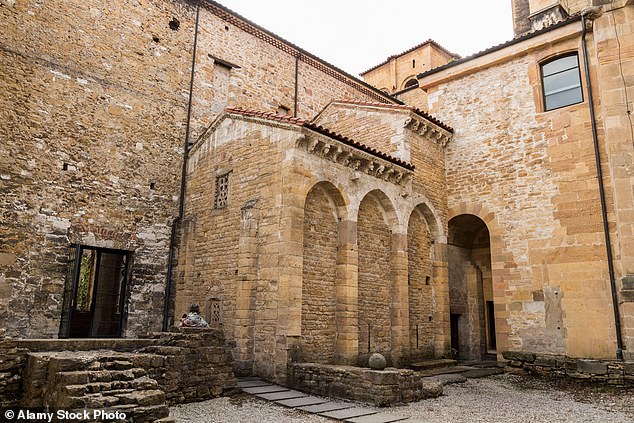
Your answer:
<point x="312" y="243"/>
<point x="420" y="272"/>
<point x="377" y="387"/>
<point x="188" y="366"/>
<point x="259" y="72"/>
<point x="319" y="280"/>
<point x="610" y="372"/>
<point x="12" y="365"/>
<point x="375" y="281"/>
<point x="530" y="175"/>
<point x="94" y="110"/>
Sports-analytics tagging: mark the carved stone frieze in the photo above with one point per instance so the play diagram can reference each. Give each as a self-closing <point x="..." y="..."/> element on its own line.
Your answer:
<point x="429" y="130"/>
<point x="357" y="160"/>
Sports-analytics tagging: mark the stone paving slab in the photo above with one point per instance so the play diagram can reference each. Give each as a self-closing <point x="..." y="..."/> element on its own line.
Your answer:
<point x="327" y="406"/>
<point x="264" y="389"/>
<point x="378" y="418"/>
<point x="302" y="402"/>
<point x="283" y="395"/>
<point x="348" y="413"/>
<point x="252" y="383"/>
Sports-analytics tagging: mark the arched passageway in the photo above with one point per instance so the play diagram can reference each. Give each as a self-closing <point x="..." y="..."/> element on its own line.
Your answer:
<point x="470" y="289"/>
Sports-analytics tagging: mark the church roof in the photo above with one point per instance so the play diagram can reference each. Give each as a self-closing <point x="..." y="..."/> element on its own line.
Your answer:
<point x="322" y="130"/>
<point x="429" y="41"/>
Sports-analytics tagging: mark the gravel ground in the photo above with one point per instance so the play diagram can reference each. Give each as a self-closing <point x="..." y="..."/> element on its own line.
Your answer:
<point x="503" y="398"/>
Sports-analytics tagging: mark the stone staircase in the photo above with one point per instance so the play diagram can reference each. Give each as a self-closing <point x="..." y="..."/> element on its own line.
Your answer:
<point x="96" y="380"/>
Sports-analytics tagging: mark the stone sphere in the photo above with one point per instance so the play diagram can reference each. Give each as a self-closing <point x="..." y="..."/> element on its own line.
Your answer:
<point x="377" y="362"/>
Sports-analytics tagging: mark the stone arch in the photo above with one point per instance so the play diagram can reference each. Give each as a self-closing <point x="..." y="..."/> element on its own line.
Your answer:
<point x="375" y="219"/>
<point x="472" y="318"/>
<point x="409" y="81"/>
<point x="324" y="209"/>
<point x="501" y="273"/>
<point x="421" y="233"/>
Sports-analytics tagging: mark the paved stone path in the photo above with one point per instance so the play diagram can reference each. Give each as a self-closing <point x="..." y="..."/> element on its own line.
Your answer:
<point x="337" y="410"/>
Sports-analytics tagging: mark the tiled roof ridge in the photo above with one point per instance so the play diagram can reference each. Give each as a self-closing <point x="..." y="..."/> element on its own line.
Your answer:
<point x="267" y="115"/>
<point x="428" y="41"/>
<point x="322" y="130"/>
<point x="416" y="110"/>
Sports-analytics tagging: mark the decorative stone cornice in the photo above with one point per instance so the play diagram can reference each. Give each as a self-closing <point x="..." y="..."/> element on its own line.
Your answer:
<point x="429" y="130"/>
<point x="353" y="158"/>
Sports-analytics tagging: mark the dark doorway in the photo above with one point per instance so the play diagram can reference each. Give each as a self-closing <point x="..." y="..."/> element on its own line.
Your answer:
<point x="94" y="295"/>
<point x="455" y="337"/>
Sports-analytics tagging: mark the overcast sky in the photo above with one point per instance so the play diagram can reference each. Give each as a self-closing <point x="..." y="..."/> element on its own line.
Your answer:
<point x="356" y="35"/>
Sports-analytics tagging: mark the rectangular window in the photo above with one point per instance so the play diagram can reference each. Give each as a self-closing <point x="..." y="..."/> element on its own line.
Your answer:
<point x="561" y="82"/>
<point x="222" y="191"/>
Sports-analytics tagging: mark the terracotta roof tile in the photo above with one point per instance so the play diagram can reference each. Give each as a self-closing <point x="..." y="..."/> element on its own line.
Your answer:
<point x="324" y="131"/>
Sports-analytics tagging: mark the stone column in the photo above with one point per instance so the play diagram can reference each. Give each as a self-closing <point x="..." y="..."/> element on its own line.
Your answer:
<point x="246" y="286"/>
<point x="290" y="266"/>
<point x="440" y="287"/>
<point x="400" y="299"/>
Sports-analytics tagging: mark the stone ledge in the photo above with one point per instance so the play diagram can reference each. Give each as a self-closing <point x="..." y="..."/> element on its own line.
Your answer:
<point x="377" y="387"/>
<point x="611" y="372"/>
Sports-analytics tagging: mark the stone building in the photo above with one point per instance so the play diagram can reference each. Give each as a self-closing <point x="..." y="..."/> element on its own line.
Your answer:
<point x="530" y="181"/>
<point x="161" y="152"/>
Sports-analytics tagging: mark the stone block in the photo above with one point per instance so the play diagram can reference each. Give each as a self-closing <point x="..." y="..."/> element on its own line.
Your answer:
<point x="592" y="367"/>
<point x="519" y="356"/>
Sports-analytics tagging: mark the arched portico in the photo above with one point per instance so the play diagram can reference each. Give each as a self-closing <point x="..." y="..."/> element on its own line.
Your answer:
<point x="323" y="299"/>
<point x="472" y="320"/>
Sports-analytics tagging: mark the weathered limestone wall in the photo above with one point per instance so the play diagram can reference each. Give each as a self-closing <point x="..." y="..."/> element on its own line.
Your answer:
<point x="93" y="109"/>
<point x="530" y="175"/>
<point x="319" y="279"/>
<point x="414" y="97"/>
<point x="94" y="114"/>
<point x="420" y="273"/>
<point x="613" y="40"/>
<point x="377" y="387"/>
<point x="189" y="366"/>
<point x="214" y="250"/>
<point x="609" y="372"/>
<point x="375" y="280"/>
<point x="241" y="65"/>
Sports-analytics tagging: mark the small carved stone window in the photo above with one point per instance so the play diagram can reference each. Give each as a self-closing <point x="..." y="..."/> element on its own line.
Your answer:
<point x="222" y="191"/>
<point x="215" y="311"/>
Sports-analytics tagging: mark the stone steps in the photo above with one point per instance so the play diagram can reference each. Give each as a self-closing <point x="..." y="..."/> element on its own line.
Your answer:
<point x="441" y="363"/>
<point x="100" y="381"/>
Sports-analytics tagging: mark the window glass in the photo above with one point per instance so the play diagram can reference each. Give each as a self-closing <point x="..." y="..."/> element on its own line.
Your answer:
<point x="561" y="82"/>
<point x="568" y="62"/>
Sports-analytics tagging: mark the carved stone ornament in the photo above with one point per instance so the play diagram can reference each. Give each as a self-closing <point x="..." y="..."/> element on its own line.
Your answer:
<point x="355" y="159"/>
<point x="427" y="129"/>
